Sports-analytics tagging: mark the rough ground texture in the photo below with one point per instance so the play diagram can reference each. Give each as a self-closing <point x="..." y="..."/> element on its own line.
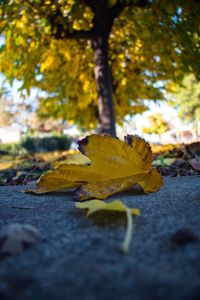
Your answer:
<point x="80" y="257"/>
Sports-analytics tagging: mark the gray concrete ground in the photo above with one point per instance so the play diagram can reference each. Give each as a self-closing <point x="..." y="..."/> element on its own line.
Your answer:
<point x="80" y="258"/>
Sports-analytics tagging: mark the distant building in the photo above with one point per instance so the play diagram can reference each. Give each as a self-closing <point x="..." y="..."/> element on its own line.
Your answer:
<point x="179" y="136"/>
<point x="9" y="135"/>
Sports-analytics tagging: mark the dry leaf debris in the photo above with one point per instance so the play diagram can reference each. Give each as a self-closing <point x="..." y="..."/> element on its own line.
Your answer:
<point x="184" y="236"/>
<point x="115" y="166"/>
<point x="15" y="238"/>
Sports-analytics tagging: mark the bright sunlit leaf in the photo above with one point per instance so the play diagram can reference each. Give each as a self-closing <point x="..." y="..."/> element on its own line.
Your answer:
<point x="114" y="166"/>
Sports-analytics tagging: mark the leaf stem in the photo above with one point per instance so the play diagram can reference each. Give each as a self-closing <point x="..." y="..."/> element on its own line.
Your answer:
<point x="129" y="230"/>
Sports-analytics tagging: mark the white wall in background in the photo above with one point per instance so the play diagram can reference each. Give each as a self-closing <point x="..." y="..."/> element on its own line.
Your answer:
<point x="9" y="135"/>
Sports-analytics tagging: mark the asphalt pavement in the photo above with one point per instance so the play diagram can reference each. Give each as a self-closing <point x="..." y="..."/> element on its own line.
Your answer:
<point x="81" y="258"/>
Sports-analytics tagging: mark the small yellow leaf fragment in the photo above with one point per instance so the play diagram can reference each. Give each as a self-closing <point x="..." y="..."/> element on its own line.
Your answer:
<point x="96" y="205"/>
<point x="116" y="205"/>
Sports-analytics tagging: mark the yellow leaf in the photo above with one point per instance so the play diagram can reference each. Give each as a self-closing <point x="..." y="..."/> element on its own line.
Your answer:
<point x="102" y="190"/>
<point x="117" y="158"/>
<point x="53" y="181"/>
<point x="142" y="148"/>
<point x="81" y="173"/>
<point x="113" y="166"/>
<point x="96" y="205"/>
<point x="116" y="205"/>
<point x="77" y="159"/>
<point x="152" y="181"/>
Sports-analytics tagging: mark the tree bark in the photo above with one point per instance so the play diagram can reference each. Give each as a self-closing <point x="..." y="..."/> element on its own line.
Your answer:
<point x="103" y="79"/>
<point x="104" y="17"/>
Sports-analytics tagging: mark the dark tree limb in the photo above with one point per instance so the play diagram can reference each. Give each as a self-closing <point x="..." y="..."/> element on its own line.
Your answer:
<point x="75" y="34"/>
<point x="90" y="3"/>
<point x="116" y="10"/>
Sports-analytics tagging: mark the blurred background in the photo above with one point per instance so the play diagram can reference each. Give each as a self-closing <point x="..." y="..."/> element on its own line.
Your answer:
<point x="175" y="120"/>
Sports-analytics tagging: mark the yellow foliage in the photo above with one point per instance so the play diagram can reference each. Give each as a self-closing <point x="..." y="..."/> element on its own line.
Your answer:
<point x="47" y="63"/>
<point x="139" y="43"/>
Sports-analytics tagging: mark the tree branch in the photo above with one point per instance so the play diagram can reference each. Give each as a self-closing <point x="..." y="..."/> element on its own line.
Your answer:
<point x="75" y="34"/>
<point x="116" y="10"/>
<point x="90" y="3"/>
<point x="59" y="31"/>
<point x="139" y="3"/>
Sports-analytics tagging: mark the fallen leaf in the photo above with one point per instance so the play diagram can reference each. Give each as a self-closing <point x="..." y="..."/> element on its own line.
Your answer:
<point x="15" y="238"/>
<point x="115" y="166"/>
<point x="96" y="205"/>
<point x="53" y="181"/>
<point x="78" y="159"/>
<point x="151" y="182"/>
<point x="184" y="236"/>
<point x="195" y="164"/>
<point x="116" y="205"/>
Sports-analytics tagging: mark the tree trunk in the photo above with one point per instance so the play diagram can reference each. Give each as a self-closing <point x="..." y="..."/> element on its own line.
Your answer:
<point x="103" y="78"/>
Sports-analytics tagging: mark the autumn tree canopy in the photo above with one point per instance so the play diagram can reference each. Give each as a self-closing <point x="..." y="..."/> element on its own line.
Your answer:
<point x="157" y="124"/>
<point x="187" y="100"/>
<point x="98" y="60"/>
